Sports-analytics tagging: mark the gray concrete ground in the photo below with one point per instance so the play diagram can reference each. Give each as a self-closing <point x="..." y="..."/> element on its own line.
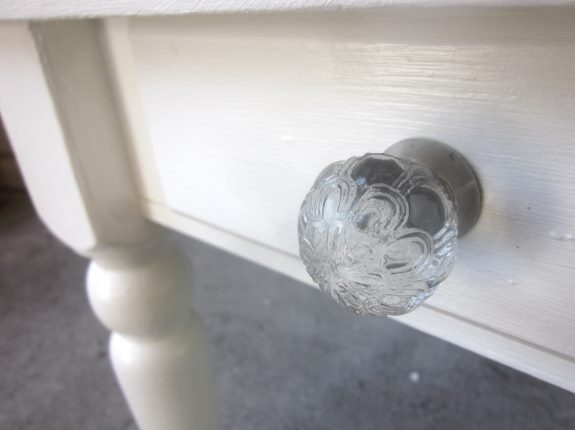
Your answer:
<point x="285" y="357"/>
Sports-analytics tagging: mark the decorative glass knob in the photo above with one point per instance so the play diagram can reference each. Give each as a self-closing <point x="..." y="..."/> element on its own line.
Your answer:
<point x="379" y="232"/>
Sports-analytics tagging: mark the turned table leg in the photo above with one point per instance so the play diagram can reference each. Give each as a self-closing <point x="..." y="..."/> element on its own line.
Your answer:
<point x="66" y="129"/>
<point x="157" y="344"/>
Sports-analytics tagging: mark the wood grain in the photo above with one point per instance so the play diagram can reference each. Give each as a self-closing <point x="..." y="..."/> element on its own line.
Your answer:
<point x="242" y="112"/>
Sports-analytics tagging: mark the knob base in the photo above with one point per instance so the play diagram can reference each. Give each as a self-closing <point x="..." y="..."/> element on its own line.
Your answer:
<point x="452" y="168"/>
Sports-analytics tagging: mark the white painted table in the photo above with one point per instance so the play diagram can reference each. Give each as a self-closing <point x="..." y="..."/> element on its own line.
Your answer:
<point x="215" y="125"/>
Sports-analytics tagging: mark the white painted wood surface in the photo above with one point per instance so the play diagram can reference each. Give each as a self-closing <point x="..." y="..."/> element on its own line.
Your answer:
<point x="158" y="347"/>
<point x="59" y="111"/>
<point x="242" y="112"/>
<point x="42" y="9"/>
<point x="229" y="118"/>
<point x="515" y="352"/>
<point x="40" y="150"/>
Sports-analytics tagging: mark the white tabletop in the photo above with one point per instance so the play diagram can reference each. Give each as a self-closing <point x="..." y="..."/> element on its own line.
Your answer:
<point x="51" y="9"/>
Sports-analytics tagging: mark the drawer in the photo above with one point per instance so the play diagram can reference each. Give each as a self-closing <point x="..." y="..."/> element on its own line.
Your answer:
<point x="231" y="118"/>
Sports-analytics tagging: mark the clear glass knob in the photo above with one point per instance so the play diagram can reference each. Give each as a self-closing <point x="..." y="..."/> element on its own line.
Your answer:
<point x="379" y="232"/>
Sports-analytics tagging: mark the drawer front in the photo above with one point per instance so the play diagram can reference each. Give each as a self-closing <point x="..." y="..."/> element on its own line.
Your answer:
<point x="236" y="115"/>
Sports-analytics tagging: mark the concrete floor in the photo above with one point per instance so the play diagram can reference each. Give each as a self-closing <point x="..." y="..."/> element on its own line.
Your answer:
<point x="285" y="357"/>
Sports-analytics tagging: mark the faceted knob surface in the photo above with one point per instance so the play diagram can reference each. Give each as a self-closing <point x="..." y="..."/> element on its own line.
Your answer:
<point x="379" y="233"/>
